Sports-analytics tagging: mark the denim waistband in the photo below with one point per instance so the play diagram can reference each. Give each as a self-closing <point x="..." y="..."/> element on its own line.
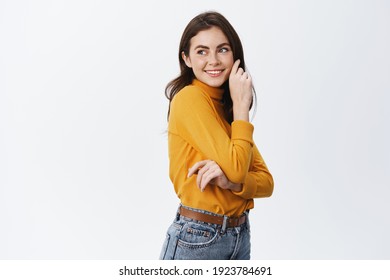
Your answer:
<point x="222" y="226"/>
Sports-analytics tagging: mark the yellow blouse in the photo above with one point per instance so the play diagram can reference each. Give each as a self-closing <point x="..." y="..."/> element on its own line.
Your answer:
<point x="197" y="130"/>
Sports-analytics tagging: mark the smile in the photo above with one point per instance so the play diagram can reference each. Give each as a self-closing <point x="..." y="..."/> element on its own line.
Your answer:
<point x="214" y="73"/>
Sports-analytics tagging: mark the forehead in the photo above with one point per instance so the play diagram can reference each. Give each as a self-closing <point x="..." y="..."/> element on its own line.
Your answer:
<point x="211" y="37"/>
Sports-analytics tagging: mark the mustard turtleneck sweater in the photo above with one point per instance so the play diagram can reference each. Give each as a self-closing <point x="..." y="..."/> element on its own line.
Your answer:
<point x="197" y="130"/>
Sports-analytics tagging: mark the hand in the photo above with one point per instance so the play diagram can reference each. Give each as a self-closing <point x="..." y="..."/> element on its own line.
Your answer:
<point x="240" y="85"/>
<point x="209" y="172"/>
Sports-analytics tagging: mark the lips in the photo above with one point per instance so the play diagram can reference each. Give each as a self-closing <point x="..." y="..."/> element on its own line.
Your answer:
<point x="214" y="73"/>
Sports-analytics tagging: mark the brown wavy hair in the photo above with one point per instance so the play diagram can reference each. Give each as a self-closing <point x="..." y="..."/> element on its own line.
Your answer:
<point x="199" y="23"/>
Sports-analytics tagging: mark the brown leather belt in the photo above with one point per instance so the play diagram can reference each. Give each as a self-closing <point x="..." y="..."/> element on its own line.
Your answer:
<point x="211" y="219"/>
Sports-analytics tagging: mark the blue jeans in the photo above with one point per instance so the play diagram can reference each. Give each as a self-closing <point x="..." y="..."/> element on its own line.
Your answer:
<point x="188" y="239"/>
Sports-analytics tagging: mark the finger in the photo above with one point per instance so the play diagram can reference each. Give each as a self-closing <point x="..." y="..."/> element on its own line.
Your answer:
<point x="235" y="67"/>
<point x="209" y="172"/>
<point x="240" y="71"/>
<point x="245" y="75"/>
<point x="202" y="171"/>
<point x="194" y="169"/>
<point x="207" y="177"/>
<point x="199" y="177"/>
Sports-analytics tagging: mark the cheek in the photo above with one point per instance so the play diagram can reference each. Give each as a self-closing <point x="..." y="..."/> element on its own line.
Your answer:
<point x="229" y="66"/>
<point x="199" y="64"/>
<point x="229" y="61"/>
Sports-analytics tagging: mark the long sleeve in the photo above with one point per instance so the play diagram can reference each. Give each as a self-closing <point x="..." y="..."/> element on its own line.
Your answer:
<point x="197" y="130"/>
<point x="259" y="182"/>
<point x="195" y="119"/>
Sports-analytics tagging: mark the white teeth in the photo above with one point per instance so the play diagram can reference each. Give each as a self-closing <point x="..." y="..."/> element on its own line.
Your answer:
<point x="214" y="72"/>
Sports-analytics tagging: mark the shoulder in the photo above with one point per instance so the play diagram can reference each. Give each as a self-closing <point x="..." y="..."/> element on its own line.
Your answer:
<point x="190" y="96"/>
<point x="190" y="93"/>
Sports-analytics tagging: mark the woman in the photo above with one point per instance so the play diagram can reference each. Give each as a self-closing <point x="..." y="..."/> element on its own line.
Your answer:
<point x="215" y="166"/>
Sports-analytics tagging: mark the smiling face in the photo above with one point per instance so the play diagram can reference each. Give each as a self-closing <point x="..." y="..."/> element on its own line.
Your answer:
<point x="210" y="57"/>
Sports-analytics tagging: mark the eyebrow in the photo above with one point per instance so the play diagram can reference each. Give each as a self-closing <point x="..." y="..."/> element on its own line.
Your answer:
<point x="206" y="47"/>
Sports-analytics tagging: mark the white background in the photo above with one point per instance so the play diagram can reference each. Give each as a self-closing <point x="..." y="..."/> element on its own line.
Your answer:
<point x="83" y="148"/>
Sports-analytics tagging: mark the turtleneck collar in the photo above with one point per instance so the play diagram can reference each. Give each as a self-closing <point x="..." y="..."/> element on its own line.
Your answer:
<point x="215" y="93"/>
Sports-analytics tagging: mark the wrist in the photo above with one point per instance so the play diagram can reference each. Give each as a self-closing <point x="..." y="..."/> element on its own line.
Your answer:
<point x="235" y="187"/>
<point x="241" y="113"/>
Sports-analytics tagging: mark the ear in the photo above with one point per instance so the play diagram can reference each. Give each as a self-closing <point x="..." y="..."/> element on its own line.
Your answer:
<point x="186" y="59"/>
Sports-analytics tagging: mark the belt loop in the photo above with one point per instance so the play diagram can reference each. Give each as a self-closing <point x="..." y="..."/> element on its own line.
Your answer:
<point x="178" y="213"/>
<point x="224" y="224"/>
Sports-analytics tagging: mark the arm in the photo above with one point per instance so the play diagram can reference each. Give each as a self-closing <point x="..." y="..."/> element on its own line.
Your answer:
<point x="259" y="182"/>
<point x="198" y="123"/>
<point x="240" y="85"/>
<point x="210" y="172"/>
<point x="194" y="118"/>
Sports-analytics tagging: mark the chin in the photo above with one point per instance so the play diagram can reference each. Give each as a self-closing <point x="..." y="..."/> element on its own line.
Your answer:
<point x="214" y="83"/>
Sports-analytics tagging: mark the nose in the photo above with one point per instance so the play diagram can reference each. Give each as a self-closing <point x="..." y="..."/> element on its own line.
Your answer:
<point x="213" y="59"/>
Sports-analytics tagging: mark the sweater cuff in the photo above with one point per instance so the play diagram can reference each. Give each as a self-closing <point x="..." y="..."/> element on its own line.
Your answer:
<point x="242" y="130"/>
<point x="248" y="191"/>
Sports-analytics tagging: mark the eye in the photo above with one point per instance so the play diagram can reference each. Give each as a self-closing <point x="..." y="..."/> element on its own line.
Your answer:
<point x="224" y="50"/>
<point x="201" y="52"/>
